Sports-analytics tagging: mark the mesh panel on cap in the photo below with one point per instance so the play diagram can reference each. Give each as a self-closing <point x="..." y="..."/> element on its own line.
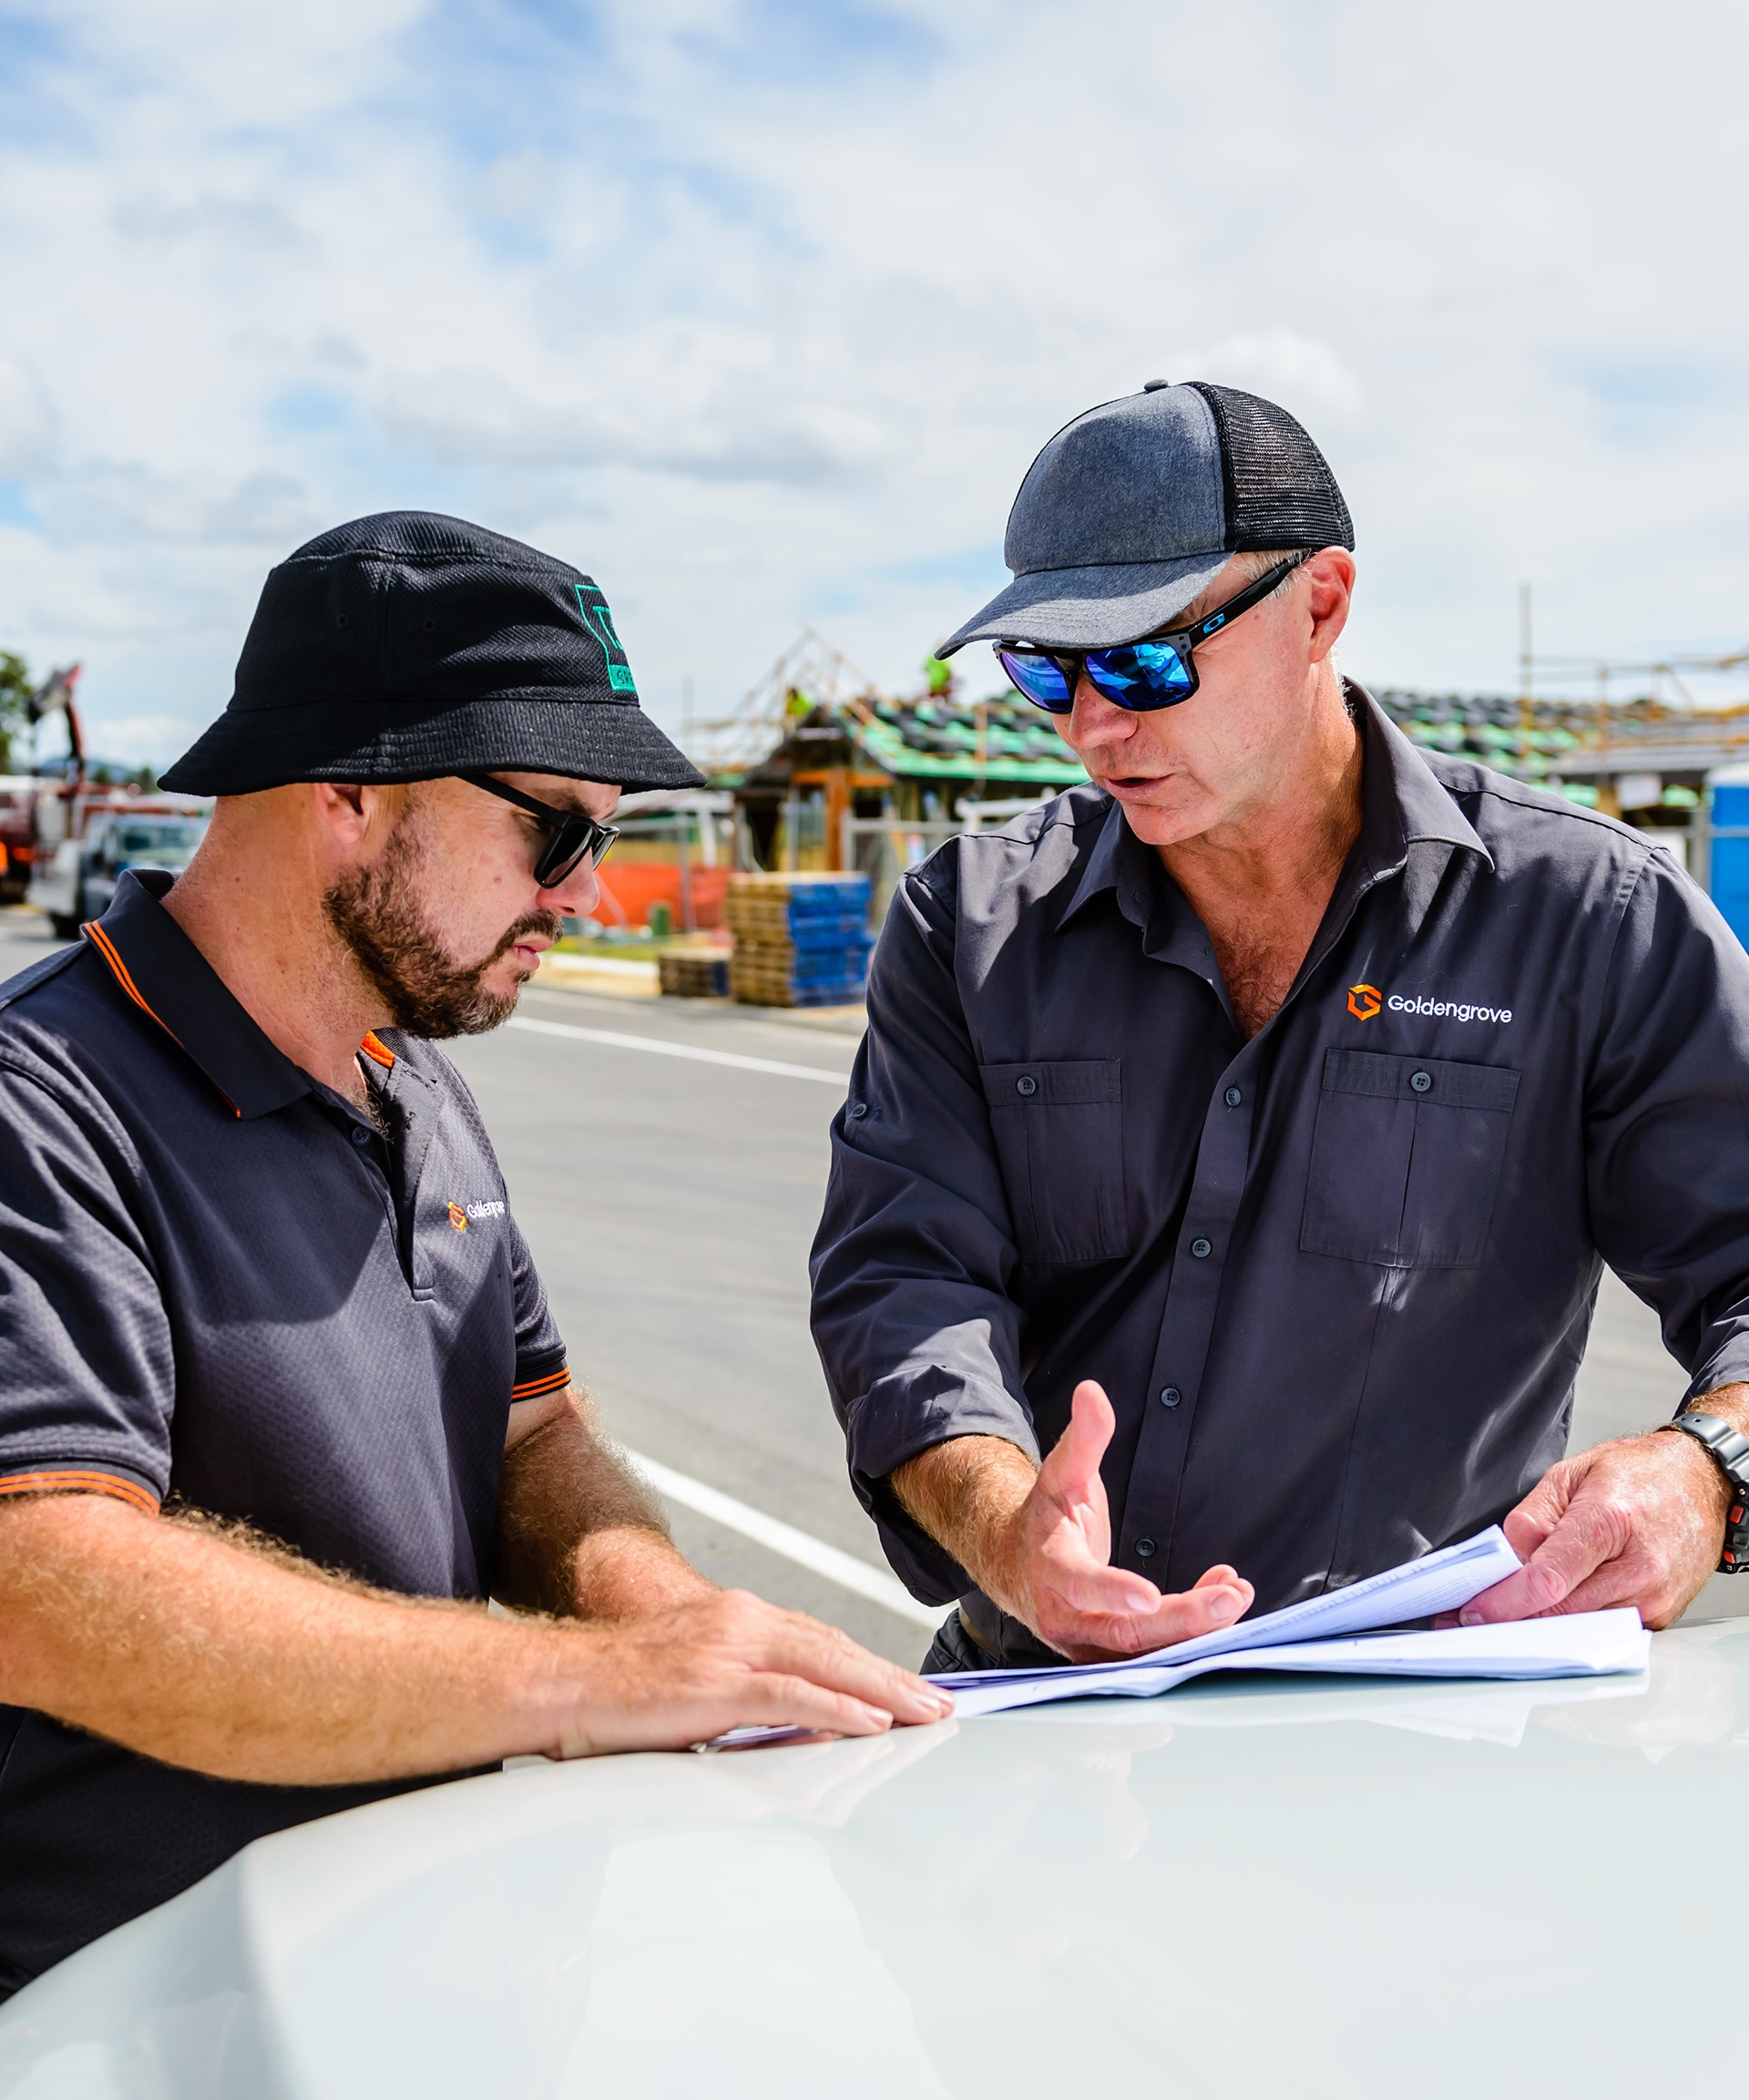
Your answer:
<point x="1279" y="487"/>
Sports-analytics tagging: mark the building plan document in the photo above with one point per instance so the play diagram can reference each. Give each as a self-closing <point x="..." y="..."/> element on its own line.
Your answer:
<point x="1338" y="1632"/>
<point x="1350" y="1632"/>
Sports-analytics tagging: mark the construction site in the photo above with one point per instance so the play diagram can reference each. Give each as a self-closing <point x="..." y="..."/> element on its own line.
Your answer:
<point x="816" y="773"/>
<point x="768" y="883"/>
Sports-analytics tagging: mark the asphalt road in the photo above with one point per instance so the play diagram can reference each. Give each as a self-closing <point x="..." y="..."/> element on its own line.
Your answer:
<point x="670" y="1201"/>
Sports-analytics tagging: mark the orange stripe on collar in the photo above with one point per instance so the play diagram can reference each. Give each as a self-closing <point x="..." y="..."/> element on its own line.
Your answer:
<point x="378" y="1052"/>
<point x="76" y="1482"/>
<point x="106" y="947"/>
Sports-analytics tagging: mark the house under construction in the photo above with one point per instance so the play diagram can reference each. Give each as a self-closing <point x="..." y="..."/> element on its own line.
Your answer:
<point x="817" y="772"/>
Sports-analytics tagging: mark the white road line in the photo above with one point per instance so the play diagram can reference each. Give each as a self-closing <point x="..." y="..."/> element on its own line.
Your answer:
<point x="814" y="1553"/>
<point x="614" y="1040"/>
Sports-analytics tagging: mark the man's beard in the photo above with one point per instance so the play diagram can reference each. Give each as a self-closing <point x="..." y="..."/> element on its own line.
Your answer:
<point x="375" y="910"/>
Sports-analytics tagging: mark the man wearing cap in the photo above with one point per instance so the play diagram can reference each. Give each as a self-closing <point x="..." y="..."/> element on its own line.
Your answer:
<point x="281" y="1399"/>
<point x="1246" y="1131"/>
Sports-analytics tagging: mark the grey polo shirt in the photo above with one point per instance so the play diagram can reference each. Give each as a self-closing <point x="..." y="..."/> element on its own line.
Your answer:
<point x="219" y="1282"/>
<point x="1337" y="1279"/>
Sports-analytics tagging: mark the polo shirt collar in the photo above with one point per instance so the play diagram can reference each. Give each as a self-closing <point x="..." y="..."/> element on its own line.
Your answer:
<point x="1403" y="805"/>
<point x="158" y="967"/>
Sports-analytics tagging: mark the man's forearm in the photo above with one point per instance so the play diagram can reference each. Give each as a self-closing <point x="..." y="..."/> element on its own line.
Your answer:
<point x="964" y="1494"/>
<point x="1729" y="1403"/>
<point x="174" y="1641"/>
<point x="579" y="1535"/>
<point x="188" y="1645"/>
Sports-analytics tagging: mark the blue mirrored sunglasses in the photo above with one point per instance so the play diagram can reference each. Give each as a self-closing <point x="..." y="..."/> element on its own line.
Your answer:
<point x="1159" y="672"/>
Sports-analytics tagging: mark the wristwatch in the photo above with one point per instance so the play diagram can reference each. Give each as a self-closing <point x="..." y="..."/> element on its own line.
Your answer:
<point x="1729" y="1450"/>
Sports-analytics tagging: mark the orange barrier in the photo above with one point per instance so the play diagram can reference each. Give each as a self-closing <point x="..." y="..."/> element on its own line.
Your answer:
<point x="634" y="885"/>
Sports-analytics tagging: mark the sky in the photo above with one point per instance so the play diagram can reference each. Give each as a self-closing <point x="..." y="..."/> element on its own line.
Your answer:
<point x="758" y="311"/>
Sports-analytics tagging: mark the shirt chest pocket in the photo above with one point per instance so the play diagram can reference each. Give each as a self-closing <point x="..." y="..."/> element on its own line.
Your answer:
<point x="1405" y="1159"/>
<point x="1059" y="1141"/>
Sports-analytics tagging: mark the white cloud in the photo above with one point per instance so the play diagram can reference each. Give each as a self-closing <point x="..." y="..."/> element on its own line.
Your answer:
<point x="762" y="316"/>
<point x="28" y="423"/>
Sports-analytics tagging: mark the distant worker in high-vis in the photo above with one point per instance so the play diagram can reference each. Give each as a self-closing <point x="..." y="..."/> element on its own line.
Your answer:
<point x="1237" y="1142"/>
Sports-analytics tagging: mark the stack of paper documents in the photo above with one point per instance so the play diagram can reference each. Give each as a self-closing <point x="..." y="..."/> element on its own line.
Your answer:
<point x="1337" y="1633"/>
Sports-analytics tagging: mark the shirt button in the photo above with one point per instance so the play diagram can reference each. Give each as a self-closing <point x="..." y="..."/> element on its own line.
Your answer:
<point x="1421" y="1082"/>
<point x="859" y="1110"/>
<point x="360" y="1136"/>
<point x="1201" y="1249"/>
<point x="1028" y="1086"/>
<point x="1170" y="1397"/>
<point x="1233" y="1097"/>
<point x="1144" y="1549"/>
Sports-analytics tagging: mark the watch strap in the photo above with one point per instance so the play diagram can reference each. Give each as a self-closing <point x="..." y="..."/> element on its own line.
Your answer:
<point x="1729" y="1449"/>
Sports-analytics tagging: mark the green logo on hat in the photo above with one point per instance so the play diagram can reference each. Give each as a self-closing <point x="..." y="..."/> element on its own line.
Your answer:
<point x="598" y="619"/>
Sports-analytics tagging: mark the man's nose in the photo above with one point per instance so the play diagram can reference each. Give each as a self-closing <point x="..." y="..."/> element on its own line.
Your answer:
<point x="580" y="893"/>
<point x="1095" y="719"/>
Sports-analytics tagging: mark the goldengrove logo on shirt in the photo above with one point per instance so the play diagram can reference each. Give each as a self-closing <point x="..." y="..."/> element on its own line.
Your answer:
<point x="1366" y="1001"/>
<point x="460" y="1213"/>
<point x="458" y="1217"/>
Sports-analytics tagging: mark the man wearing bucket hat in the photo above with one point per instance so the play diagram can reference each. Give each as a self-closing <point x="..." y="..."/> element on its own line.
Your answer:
<point x="281" y="1399"/>
<point x="1245" y="1132"/>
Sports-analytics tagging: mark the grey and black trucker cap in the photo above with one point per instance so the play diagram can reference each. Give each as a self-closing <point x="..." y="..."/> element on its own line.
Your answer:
<point x="407" y="646"/>
<point x="1133" y="509"/>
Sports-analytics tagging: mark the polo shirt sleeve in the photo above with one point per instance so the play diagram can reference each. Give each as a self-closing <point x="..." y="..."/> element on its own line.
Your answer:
<point x="88" y="1375"/>
<point x="912" y="1317"/>
<point x="1667" y="1121"/>
<point x="540" y="1353"/>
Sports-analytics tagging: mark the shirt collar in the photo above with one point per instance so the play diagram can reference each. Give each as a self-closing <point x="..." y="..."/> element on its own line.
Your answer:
<point x="159" y="969"/>
<point x="1403" y="805"/>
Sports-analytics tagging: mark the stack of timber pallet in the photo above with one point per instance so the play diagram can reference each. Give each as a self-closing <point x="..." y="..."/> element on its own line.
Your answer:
<point x="694" y="973"/>
<point x="800" y="939"/>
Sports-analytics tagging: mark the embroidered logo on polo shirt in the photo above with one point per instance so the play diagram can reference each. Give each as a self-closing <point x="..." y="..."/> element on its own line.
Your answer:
<point x="458" y="1217"/>
<point x="1364" y="1000"/>
<point x="459" y="1213"/>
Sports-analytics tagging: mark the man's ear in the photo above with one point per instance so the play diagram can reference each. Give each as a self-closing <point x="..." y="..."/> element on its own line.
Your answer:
<point x="356" y="816"/>
<point x="1330" y="573"/>
<point x="340" y="811"/>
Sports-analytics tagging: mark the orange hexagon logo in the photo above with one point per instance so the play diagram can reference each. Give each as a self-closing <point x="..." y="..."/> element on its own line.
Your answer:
<point x="1364" y="1000"/>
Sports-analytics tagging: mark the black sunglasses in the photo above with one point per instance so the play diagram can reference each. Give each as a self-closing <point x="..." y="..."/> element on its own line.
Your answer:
<point x="572" y="834"/>
<point x="1159" y="672"/>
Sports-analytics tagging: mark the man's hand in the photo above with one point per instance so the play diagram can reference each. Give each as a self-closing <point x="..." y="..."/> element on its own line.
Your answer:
<point x="1039" y="1544"/>
<point x="730" y="1660"/>
<point x="1637" y="1521"/>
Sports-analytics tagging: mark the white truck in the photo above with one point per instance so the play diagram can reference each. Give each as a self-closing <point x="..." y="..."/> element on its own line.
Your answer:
<point x="75" y="878"/>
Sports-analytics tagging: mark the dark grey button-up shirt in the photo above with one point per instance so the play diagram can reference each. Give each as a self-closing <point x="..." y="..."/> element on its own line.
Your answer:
<point x="1336" y="1279"/>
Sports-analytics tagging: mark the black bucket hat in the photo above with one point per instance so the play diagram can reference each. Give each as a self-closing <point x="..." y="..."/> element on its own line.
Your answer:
<point x="410" y="646"/>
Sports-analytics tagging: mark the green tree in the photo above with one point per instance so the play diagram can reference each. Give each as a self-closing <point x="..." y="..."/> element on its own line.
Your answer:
<point x="15" y="699"/>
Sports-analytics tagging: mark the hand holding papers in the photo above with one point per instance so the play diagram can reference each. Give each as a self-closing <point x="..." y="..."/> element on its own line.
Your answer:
<point x="1320" y="1635"/>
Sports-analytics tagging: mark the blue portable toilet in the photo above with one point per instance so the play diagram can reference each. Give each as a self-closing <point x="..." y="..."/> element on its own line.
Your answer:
<point x="1728" y="791"/>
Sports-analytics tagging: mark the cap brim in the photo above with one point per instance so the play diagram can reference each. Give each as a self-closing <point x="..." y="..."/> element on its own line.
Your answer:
<point x="248" y="750"/>
<point x="1091" y="608"/>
